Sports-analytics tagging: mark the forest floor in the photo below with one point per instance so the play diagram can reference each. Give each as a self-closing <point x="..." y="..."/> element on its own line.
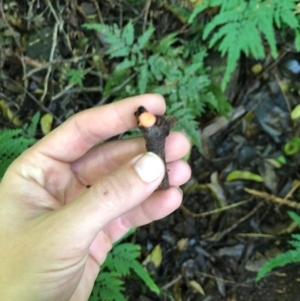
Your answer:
<point x="227" y="227"/>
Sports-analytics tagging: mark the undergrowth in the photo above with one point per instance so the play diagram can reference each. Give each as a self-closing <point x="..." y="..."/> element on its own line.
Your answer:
<point x="168" y="67"/>
<point x="13" y="142"/>
<point x="291" y="256"/>
<point x="245" y="26"/>
<point x="120" y="262"/>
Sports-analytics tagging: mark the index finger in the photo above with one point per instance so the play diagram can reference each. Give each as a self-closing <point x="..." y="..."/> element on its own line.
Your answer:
<point x="83" y="130"/>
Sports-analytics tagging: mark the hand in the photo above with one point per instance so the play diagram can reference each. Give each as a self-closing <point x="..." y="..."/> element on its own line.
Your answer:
<point x="54" y="231"/>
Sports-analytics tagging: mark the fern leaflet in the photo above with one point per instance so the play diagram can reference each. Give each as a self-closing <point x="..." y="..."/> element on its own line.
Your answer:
<point x="291" y="256"/>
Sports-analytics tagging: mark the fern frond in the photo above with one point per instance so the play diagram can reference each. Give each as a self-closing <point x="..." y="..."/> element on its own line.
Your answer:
<point x="144" y="275"/>
<point x="296" y="242"/>
<point x="13" y="142"/>
<point x="113" y="37"/>
<point x="241" y="24"/>
<point x="294" y="216"/>
<point x="284" y="13"/>
<point x="109" y="287"/>
<point x="292" y="256"/>
<point x="122" y="257"/>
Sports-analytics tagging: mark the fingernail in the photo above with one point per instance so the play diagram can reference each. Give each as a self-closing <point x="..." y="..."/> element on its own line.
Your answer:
<point x="149" y="167"/>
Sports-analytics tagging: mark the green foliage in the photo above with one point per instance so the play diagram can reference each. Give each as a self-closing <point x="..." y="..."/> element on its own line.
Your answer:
<point x="120" y="262"/>
<point x="13" y="142"/>
<point x="291" y="256"/>
<point x="76" y="77"/>
<point x="241" y="26"/>
<point x="168" y="67"/>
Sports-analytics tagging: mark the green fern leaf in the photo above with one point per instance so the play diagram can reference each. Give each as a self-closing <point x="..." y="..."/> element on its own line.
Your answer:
<point x="145" y="37"/>
<point x="14" y="142"/>
<point x="122" y="257"/>
<point x="240" y="25"/>
<point x="144" y="275"/>
<point x="296" y="242"/>
<point x="294" y="216"/>
<point x="109" y="288"/>
<point x="291" y="256"/>
<point x="30" y="129"/>
<point x="113" y="37"/>
<point x="143" y="78"/>
<point x="128" y="34"/>
<point x="284" y="12"/>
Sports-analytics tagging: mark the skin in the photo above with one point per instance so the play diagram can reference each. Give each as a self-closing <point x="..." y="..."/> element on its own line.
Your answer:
<point x="54" y="231"/>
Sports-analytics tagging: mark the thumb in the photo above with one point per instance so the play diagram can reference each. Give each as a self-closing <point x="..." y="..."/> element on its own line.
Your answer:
<point x="111" y="196"/>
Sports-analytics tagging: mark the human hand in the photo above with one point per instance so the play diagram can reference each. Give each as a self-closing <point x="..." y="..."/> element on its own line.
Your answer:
<point x="54" y="231"/>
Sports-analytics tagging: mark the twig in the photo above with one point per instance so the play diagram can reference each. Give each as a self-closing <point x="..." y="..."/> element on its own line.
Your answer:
<point x="14" y="34"/>
<point x="147" y="7"/>
<point x="116" y="89"/>
<point x="98" y="11"/>
<point x="172" y="282"/>
<point x="46" y="79"/>
<point x="43" y="108"/>
<point x="21" y="58"/>
<point x="40" y="66"/>
<point x="29" y="13"/>
<point x="294" y="188"/>
<point x="283" y="92"/>
<point x="241" y="220"/>
<point x="61" y="93"/>
<point x="61" y="24"/>
<point x="222" y="279"/>
<point x="269" y="197"/>
<point x="215" y="211"/>
<point x="77" y="90"/>
<point x="155" y="129"/>
<point x="257" y="235"/>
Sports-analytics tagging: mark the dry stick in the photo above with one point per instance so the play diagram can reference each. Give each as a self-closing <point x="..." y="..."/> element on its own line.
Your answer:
<point x="43" y="108"/>
<point x="147" y="7"/>
<point x="25" y="79"/>
<point x="241" y="220"/>
<point x="29" y="13"/>
<point x="172" y="282"/>
<point x="15" y="36"/>
<point x="222" y="279"/>
<point x="116" y="89"/>
<point x="46" y="79"/>
<point x="98" y="11"/>
<point x="76" y="90"/>
<point x="40" y="66"/>
<point x="294" y="188"/>
<point x="219" y="210"/>
<point x="273" y="198"/>
<point x="286" y="99"/>
<point x="155" y="137"/>
<point x="61" y="23"/>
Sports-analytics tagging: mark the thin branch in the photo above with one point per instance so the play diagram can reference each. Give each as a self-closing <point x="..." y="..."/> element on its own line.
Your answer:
<point x="46" y="79"/>
<point x="272" y="198"/>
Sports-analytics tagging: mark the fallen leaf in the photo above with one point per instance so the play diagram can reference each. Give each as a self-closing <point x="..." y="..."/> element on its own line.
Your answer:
<point x="295" y="114"/>
<point x="244" y="175"/>
<point x="257" y="68"/>
<point x="292" y="147"/>
<point x="182" y="244"/>
<point x="155" y="256"/>
<point x="197" y="287"/>
<point x="46" y="123"/>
